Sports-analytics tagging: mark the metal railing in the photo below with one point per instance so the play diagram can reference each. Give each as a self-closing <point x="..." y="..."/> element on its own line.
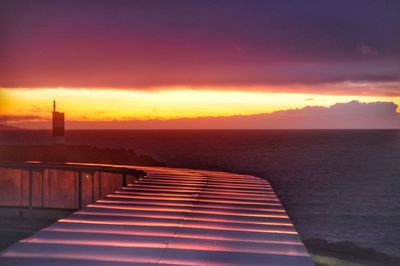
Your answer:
<point x="80" y="171"/>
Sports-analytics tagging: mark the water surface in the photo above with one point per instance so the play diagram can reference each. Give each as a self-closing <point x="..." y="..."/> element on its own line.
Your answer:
<point x="335" y="184"/>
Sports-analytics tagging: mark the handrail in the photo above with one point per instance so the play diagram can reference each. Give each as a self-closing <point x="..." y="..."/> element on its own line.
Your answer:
<point x="83" y="167"/>
<point x="80" y="168"/>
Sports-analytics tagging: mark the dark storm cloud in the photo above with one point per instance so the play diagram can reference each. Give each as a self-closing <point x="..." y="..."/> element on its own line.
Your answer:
<point x="211" y="43"/>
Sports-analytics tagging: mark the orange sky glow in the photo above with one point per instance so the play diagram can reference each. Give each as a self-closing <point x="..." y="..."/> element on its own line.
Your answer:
<point x="117" y="104"/>
<point x="147" y="66"/>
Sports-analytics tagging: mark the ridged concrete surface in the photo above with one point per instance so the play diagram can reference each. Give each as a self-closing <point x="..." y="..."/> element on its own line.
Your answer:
<point x="171" y="217"/>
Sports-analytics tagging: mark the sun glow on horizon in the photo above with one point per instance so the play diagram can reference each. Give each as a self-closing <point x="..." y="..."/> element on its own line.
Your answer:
<point x="118" y="104"/>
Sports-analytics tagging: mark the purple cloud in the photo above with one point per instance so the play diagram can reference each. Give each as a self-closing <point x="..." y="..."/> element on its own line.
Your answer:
<point x="131" y="44"/>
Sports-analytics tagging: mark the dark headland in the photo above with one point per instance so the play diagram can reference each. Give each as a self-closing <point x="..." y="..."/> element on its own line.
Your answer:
<point x="74" y="153"/>
<point x="346" y="253"/>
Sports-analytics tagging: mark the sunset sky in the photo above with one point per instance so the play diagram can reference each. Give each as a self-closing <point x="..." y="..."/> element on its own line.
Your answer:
<point x="140" y="60"/>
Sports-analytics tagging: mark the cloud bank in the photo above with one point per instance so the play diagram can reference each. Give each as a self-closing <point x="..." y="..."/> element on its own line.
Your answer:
<point x="351" y="115"/>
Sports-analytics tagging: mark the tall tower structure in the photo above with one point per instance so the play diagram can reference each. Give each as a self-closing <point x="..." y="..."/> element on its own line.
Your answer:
<point x="58" y="126"/>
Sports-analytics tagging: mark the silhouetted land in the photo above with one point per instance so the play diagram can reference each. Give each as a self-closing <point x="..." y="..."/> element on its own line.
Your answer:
<point x="346" y="253"/>
<point x="78" y="153"/>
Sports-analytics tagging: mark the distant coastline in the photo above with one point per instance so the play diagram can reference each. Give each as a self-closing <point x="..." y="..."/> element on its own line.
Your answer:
<point x="6" y="127"/>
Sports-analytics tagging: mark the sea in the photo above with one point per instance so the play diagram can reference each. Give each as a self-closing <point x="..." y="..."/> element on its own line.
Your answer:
<point x="337" y="185"/>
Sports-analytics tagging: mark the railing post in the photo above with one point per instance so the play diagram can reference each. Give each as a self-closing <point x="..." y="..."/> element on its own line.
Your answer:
<point x="43" y="187"/>
<point x="93" y="186"/>
<point x="21" y="199"/>
<point x="79" y="190"/>
<point x="124" y="180"/>
<point x="99" y="184"/>
<point x="30" y="189"/>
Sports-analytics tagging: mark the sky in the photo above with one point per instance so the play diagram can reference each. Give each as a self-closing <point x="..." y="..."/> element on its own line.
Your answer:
<point x="143" y="60"/>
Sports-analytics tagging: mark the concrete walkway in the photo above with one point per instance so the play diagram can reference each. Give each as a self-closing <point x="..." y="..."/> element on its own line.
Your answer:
<point x="171" y="217"/>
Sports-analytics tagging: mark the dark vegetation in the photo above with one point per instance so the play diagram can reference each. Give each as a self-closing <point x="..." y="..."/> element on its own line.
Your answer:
<point x="81" y="154"/>
<point x="348" y="248"/>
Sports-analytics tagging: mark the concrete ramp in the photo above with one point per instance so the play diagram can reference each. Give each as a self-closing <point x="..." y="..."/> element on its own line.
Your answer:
<point x="171" y="217"/>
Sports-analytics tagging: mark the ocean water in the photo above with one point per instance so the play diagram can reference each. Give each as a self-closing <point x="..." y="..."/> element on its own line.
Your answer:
<point x="338" y="185"/>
